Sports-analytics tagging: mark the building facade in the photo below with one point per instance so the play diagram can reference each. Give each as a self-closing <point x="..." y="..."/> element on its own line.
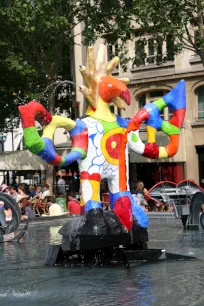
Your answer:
<point x="148" y="83"/>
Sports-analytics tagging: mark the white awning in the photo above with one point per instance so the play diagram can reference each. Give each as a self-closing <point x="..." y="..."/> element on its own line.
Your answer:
<point x="21" y="160"/>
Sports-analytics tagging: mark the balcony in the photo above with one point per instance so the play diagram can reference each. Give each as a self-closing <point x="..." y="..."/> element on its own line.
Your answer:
<point x="151" y="70"/>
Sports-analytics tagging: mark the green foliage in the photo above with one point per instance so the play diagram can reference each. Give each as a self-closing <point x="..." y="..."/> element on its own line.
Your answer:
<point x="36" y="39"/>
<point x="35" y="48"/>
<point x="178" y="21"/>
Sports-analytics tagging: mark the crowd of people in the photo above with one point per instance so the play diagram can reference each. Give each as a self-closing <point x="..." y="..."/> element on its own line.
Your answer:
<point x="31" y="200"/>
<point x="39" y="201"/>
<point x="24" y="195"/>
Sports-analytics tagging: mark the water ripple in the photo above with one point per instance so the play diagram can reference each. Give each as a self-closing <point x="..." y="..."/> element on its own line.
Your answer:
<point x="26" y="281"/>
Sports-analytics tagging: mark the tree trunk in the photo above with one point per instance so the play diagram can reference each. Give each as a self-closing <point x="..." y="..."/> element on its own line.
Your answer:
<point x="51" y="100"/>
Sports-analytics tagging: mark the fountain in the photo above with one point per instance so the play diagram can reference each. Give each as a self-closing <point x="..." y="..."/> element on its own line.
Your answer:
<point x="100" y="143"/>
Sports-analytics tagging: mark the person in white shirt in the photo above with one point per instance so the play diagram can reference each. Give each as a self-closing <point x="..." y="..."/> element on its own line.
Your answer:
<point x="46" y="193"/>
<point x="55" y="210"/>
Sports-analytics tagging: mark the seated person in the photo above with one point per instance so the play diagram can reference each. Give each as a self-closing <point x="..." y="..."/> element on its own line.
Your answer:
<point x="38" y="192"/>
<point x="46" y="193"/>
<point x="12" y="192"/>
<point x="26" y="209"/>
<point x="55" y="209"/>
<point x="32" y="191"/>
<point x="4" y="188"/>
<point x="21" y="190"/>
<point x="73" y="205"/>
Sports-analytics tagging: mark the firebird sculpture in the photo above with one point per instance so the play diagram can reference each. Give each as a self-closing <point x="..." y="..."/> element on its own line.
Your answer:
<point x="100" y="143"/>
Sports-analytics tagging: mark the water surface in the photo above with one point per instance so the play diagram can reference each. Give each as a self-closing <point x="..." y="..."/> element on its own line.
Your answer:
<point x="25" y="280"/>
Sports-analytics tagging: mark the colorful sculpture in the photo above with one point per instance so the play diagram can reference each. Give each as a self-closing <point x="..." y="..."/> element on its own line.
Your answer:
<point x="100" y="143"/>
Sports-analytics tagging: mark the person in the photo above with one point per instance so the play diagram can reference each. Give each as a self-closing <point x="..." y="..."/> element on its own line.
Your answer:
<point x="26" y="209"/>
<point x="32" y="191"/>
<point x="21" y="190"/>
<point x="138" y="195"/>
<point x="4" y="188"/>
<point x="44" y="183"/>
<point x="140" y="200"/>
<point x="12" y="192"/>
<point x="73" y="206"/>
<point x="140" y="188"/>
<point x="55" y="209"/>
<point x="134" y="190"/>
<point x="46" y="193"/>
<point x="61" y="185"/>
<point x="38" y="191"/>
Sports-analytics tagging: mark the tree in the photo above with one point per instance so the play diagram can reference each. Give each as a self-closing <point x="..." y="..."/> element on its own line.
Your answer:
<point x="177" y="19"/>
<point x="37" y="39"/>
<point x="38" y="36"/>
<point x="179" y="22"/>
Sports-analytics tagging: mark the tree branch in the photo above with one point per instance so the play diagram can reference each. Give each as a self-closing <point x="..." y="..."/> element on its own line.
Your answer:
<point x="190" y="38"/>
<point x="186" y="41"/>
<point x="44" y="64"/>
<point x="58" y="56"/>
<point x="29" y="57"/>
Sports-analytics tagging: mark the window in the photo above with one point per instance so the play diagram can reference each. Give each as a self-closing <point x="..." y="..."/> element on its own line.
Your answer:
<point x="170" y="113"/>
<point x="159" y="44"/>
<point x="152" y="51"/>
<point x="200" y="94"/>
<point x="112" y="52"/>
<point x="151" y="96"/>
<point x="139" y="53"/>
<point x="141" y="101"/>
<point x="156" y="94"/>
<point x="151" y="56"/>
<point x="170" y="48"/>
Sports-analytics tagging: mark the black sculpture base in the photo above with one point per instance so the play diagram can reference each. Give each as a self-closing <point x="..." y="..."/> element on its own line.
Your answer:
<point x="101" y="257"/>
<point x="114" y="256"/>
<point x="98" y="229"/>
<point x="98" y="237"/>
